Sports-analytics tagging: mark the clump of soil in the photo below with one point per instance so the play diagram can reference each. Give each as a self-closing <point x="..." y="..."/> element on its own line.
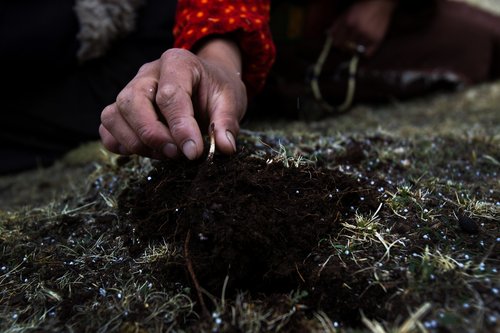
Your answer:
<point x="249" y="218"/>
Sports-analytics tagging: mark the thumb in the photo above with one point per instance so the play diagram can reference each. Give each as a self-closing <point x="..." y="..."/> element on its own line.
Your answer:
<point x="226" y="130"/>
<point x="225" y="116"/>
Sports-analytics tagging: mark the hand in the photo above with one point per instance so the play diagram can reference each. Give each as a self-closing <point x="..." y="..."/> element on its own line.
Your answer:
<point x="171" y="101"/>
<point x="364" y="23"/>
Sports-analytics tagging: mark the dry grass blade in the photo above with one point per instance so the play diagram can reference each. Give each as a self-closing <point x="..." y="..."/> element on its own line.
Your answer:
<point x="410" y="325"/>
<point x="211" y="150"/>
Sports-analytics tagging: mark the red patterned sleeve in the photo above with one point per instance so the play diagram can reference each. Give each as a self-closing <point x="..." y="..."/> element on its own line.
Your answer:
<point x="247" y="21"/>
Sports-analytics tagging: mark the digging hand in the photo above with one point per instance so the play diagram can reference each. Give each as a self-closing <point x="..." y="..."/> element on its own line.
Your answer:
<point x="171" y="101"/>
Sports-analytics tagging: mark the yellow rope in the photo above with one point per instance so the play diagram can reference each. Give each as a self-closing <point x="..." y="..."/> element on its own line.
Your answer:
<point x="351" y="81"/>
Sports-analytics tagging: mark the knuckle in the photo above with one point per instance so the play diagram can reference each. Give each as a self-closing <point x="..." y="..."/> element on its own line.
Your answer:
<point x="181" y="57"/>
<point x="170" y="99"/>
<point x="147" y="135"/>
<point x="124" y="99"/>
<point x="166" y="94"/>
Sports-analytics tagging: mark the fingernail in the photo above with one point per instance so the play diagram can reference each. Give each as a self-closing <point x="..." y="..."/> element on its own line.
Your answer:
<point x="230" y="138"/>
<point x="170" y="150"/>
<point x="189" y="149"/>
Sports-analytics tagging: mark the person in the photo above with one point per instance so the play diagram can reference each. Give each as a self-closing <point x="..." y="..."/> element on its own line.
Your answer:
<point x="212" y="67"/>
<point x="65" y="61"/>
<point x="164" y="109"/>
<point x="414" y="39"/>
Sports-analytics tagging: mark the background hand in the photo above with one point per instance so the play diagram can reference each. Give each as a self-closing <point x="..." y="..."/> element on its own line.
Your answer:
<point x="364" y="23"/>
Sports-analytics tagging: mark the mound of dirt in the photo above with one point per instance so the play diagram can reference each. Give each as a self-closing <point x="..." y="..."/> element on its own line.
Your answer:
<point x="249" y="218"/>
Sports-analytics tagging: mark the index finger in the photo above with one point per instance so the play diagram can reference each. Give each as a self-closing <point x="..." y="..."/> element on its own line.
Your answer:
<point x="180" y="74"/>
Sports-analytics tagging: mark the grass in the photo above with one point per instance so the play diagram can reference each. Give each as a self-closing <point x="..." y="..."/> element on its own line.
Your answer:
<point x="424" y="258"/>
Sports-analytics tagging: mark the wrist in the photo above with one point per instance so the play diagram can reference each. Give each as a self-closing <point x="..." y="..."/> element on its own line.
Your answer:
<point x="222" y="51"/>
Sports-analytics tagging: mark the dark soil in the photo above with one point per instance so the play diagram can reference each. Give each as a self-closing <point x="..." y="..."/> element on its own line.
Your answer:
<point x="309" y="230"/>
<point x="267" y="228"/>
<point x="259" y="223"/>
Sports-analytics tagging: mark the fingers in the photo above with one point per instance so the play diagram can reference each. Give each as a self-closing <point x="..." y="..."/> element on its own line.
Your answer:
<point x="118" y="137"/>
<point x="349" y="39"/>
<point x="132" y="122"/>
<point x="110" y="143"/>
<point x="367" y="23"/>
<point x="126" y="141"/>
<point x="181" y="72"/>
<point x="154" y="114"/>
